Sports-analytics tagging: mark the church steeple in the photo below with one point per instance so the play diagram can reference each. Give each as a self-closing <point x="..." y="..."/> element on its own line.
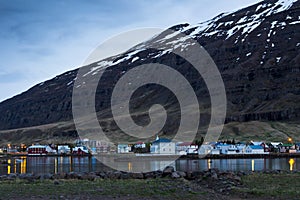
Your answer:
<point x="157" y="138"/>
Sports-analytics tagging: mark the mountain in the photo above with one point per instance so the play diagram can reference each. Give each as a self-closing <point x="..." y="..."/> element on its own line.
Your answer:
<point x="256" y="49"/>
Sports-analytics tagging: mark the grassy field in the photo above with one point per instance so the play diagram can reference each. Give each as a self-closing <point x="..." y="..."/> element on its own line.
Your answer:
<point x="254" y="186"/>
<point x="103" y="189"/>
<point x="270" y="186"/>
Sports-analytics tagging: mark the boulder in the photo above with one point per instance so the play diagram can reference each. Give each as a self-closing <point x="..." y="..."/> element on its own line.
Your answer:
<point x="168" y="171"/>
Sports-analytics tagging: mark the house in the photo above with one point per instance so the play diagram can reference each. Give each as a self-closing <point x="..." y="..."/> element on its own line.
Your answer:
<point x="232" y="149"/>
<point x="162" y="146"/>
<point x="103" y="147"/>
<point x="184" y="148"/>
<point x="205" y="149"/>
<point x="287" y="148"/>
<point x="223" y="147"/>
<point x="215" y="152"/>
<point x="140" y="147"/>
<point x="63" y="149"/>
<point x="123" y="148"/>
<point x="263" y="144"/>
<point x="40" y="150"/>
<point x="241" y="148"/>
<point x="274" y="146"/>
<point x="255" y="149"/>
<point x="81" y="150"/>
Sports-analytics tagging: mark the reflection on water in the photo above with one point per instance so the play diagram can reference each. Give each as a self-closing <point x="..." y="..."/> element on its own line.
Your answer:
<point x="291" y="162"/>
<point x="43" y="165"/>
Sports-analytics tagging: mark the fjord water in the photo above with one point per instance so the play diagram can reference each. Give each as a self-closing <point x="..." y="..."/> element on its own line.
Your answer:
<point x="44" y="165"/>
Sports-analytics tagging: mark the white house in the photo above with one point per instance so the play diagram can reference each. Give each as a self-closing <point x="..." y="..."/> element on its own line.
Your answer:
<point x="215" y="152"/>
<point x="241" y="148"/>
<point x="162" y="146"/>
<point x="223" y="147"/>
<point x="184" y="148"/>
<point x="63" y="149"/>
<point x="232" y="149"/>
<point x="205" y="149"/>
<point x="255" y="149"/>
<point x="123" y="148"/>
<point x="40" y="150"/>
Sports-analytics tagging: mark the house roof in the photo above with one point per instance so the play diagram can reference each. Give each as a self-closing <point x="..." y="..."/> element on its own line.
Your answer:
<point x="162" y="140"/>
<point x="139" y="142"/>
<point x="256" y="147"/>
<point x="286" y="145"/>
<point x="223" y="144"/>
<point x="256" y="143"/>
<point x="276" y="143"/>
<point x="185" y="144"/>
<point x="37" y="146"/>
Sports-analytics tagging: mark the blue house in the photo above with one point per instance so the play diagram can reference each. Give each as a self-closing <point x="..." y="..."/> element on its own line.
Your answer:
<point x="255" y="149"/>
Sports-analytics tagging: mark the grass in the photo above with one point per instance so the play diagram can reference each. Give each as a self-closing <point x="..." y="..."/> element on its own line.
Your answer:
<point x="264" y="186"/>
<point x="126" y="189"/>
<point x="253" y="186"/>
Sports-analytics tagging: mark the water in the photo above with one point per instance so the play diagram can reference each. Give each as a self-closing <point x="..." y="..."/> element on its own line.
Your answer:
<point x="42" y="165"/>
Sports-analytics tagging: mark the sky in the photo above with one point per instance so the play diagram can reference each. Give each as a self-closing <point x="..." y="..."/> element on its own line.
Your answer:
<point x="42" y="39"/>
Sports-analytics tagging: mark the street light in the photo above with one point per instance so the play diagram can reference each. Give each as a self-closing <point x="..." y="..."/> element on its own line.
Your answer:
<point x="290" y="140"/>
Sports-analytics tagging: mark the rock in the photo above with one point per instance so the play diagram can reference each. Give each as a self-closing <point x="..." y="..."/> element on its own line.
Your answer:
<point x="237" y="178"/>
<point x="158" y="174"/>
<point x="102" y="175"/>
<point x="72" y="175"/>
<point x="56" y="182"/>
<point x="149" y="175"/>
<point x="182" y="174"/>
<point x="46" y="176"/>
<point x="3" y="177"/>
<point x="117" y="174"/>
<point x="124" y="176"/>
<point x="61" y="175"/>
<point x="137" y="175"/>
<point x="189" y="176"/>
<point x="12" y="176"/>
<point x="214" y="176"/>
<point x="168" y="171"/>
<point x="114" y="174"/>
<point x="89" y="177"/>
<point x="175" y="175"/>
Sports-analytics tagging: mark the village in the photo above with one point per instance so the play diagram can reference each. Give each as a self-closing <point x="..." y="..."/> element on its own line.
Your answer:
<point x="160" y="146"/>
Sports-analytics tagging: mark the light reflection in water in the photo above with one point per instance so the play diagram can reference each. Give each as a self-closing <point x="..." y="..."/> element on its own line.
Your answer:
<point x="55" y="165"/>
<point x="209" y="163"/>
<point x="42" y="165"/>
<point x="23" y="164"/>
<point x="291" y="162"/>
<point x="252" y="165"/>
<point x="8" y="166"/>
<point x="129" y="166"/>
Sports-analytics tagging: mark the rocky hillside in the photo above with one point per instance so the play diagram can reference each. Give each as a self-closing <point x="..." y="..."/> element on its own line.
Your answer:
<point x="257" y="50"/>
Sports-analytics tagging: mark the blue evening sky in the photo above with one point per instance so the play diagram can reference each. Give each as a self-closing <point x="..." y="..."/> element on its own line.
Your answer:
<point x="41" y="39"/>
